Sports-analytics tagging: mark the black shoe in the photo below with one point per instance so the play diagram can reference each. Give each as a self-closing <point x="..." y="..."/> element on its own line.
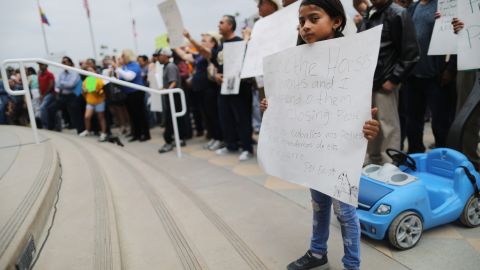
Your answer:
<point x="183" y="143"/>
<point x="165" y="148"/>
<point x="308" y="261"/>
<point x="144" y="138"/>
<point x="133" y="139"/>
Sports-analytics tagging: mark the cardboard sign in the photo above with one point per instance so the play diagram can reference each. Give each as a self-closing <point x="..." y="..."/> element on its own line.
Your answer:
<point x="444" y="40"/>
<point x="319" y="98"/>
<point x="233" y="55"/>
<point x="173" y="21"/>
<point x="469" y="37"/>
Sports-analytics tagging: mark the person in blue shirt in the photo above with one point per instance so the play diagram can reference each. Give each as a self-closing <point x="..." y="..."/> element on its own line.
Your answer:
<point x="66" y="99"/>
<point x="129" y="70"/>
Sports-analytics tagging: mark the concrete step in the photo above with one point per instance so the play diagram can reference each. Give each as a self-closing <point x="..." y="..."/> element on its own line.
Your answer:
<point x="29" y="181"/>
<point x="131" y="208"/>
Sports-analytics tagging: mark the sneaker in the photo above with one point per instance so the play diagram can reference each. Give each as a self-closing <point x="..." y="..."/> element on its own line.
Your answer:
<point x="308" y="261"/>
<point x="222" y="151"/>
<point x="103" y="137"/>
<point x="209" y="144"/>
<point x="84" y="133"/>
<point x="245" y="155"/>
<point x="215" y="146"/>
<point x="165" y="148"/>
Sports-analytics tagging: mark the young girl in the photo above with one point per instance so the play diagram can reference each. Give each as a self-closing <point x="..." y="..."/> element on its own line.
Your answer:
<point x="95" y="98"/>
<point x="321" y="20"/>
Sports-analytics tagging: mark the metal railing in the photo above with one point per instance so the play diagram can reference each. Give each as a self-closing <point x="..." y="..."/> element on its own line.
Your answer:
<point x="26" y="92"/>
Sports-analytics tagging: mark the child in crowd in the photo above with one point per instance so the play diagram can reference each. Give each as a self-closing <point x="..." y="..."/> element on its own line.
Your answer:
<point x="95" y="98"/>
<point x="322" y="20"/>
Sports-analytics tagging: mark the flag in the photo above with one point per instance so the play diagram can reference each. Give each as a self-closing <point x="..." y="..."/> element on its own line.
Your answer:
<point x="134" y="28"/>
<point x="85" y="4"/>
<point x="43" y="17"/>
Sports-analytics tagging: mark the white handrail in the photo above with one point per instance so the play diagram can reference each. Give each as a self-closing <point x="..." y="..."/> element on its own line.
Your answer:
<point x="26" y="92"/>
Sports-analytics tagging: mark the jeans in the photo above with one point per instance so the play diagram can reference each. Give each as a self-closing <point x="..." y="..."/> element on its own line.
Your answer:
<point x="350" y="227"/>
<point x="46" y="102"/>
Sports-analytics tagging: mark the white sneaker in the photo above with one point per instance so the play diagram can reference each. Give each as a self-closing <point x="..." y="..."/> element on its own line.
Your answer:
<point x="215" y="146"/>
<point x="84" y="133"/>
<point x="245" y="155"/>
<point x="103" y="137"/>
<point x="222" y="151"/>
<point x="209" y="144"/>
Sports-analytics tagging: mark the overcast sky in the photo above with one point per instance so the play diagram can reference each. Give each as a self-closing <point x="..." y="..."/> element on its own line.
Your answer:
<point x="21" y="34"/>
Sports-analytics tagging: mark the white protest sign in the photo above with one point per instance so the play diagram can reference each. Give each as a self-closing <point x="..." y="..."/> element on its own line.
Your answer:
<point x="173" y="21"/>
<point x="233" y="54"/>
<point x="444" y="40"/>
<point x="270" y="35"/>
<point x="155" y="77"/>
<point x="469" y="37"/>
<point x="319" y="97"/>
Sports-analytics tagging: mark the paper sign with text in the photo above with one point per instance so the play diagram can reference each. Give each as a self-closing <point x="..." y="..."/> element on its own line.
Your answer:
<point x="319" y="97"/>
<point x="469" y="37"/>
<point x="155" y="78"/>
<point x="173" y="21"/>
<point x="233" y="55"/>
<point x="444" y="40"/>
<point x="270" y="35"/>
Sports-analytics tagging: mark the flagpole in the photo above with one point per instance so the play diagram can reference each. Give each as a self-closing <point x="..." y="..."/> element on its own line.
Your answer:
<point x="134" y="30"/>
<point x="92" y="38"/>
<point x="43" y="31"/>
<point x="87" y="10"/>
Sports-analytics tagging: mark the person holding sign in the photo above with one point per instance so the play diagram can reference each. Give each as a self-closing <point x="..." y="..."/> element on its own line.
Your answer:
<point x="235" y="110"/>
<point x="398" y="56"/>
<point x="322" y="20"/>
<point x="95" y="98"/>
<point x="205" y="90"/>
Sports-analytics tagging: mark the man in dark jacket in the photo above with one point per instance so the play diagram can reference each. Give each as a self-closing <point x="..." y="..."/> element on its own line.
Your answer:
<point x="397" y="57"/>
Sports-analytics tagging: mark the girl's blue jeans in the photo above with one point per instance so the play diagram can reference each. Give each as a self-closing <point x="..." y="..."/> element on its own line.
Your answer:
<point x="350" y="227"/>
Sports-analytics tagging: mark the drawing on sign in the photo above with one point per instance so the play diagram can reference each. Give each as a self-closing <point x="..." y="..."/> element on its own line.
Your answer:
<point x="345" y="188"/>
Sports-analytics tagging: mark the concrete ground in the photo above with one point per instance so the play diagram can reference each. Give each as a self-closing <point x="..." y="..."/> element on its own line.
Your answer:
<point x="132" y="208"/>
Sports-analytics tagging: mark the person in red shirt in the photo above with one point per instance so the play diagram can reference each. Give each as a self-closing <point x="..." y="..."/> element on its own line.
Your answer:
<point x="46" y="83"/>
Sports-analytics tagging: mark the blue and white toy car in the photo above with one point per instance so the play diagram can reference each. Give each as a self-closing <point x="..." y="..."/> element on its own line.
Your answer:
<point x="399" y="201"/>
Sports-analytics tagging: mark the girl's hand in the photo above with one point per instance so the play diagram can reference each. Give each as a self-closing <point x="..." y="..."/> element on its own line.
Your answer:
<point x="186" y="34"/>
<point x="437" y="15"/>
<point x="371" y="127"/>
<point x="263" y="105"/>
<point x="457" y="25"/>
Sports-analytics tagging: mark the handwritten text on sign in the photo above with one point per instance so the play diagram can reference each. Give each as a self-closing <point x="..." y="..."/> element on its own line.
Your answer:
<point x="444" y="40"/>
<point x="319" y="98"/>
<point x="173" y="21"/>
<point x="469" y="37"/>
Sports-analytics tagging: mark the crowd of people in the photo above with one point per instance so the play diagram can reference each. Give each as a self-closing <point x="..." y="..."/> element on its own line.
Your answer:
<point x="409" y="89"/>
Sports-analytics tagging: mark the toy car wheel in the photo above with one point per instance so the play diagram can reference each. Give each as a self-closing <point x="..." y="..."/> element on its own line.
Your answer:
<point x="471" y="213"/>
<point x="405" y="230"/>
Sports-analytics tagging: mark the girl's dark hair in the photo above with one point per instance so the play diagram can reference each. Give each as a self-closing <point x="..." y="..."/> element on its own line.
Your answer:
<point x="333" y="8"/>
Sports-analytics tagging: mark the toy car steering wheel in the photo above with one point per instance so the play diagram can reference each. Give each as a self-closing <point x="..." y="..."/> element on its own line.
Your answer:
<point x="400" y="158"/>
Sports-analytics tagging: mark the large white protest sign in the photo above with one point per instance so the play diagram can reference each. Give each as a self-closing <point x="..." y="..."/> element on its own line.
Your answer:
<point x="155" y="78"/>
<point x="469" y="38"/>
<point x="270" y="35"/>
<point x="319" y="97"/>
<point x="173" y="21"/>
<point x="444" y="40"/>
<point x="233" y="55"/>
